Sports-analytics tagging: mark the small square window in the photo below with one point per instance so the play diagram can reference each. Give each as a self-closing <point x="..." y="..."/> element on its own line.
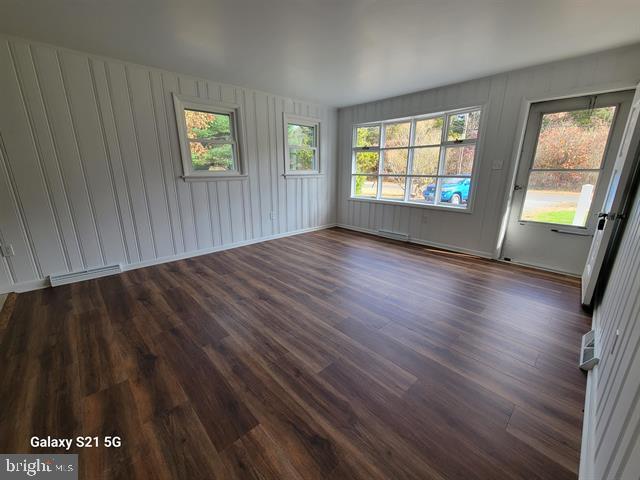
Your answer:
<point x="209" y="137"/>
<point x="302" y="151"/>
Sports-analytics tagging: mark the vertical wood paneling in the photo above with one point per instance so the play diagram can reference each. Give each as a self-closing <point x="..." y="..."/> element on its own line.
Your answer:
<point x="48" y="155"/>
<point x="617" y="376"/>
<point x="78" y="82"/>
<point x="22" y="267"/>
<point x="116" y="168"/>
<point x="25" y="172"/>
<point x="145" y="129"/>
<point x="136" y="187"/>
<point x="91" y="169"/>
<point x="171" y="83"/>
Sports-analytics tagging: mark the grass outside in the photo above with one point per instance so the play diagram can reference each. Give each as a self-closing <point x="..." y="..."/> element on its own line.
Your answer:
<point x="564" y="217"/>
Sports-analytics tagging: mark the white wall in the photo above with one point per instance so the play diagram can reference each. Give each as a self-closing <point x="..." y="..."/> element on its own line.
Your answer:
<point x="90" y="166"/>
<point x="611" y="446"/>
<point x="504" y="97"/>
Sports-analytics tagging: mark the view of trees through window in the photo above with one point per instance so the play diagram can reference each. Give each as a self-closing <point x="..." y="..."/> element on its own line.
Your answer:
<point x="302" y="142"/>
<point x="566" y="166"/>
<point x="210" y="140"/>
<point x="426" y="160"/>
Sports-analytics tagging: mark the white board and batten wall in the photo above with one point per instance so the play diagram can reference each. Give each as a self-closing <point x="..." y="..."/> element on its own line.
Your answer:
<point x="504" y="98"/>
<point x="611" y="439"/>
<point x="90" y="167"/>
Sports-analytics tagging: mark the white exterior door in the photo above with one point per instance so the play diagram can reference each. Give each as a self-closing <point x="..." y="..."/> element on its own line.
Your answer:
<point x="612" y="212"/>
<point x="567" y="159"/>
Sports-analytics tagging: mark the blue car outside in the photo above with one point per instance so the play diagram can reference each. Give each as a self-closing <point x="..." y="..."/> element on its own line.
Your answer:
<point x="455" y="192"/>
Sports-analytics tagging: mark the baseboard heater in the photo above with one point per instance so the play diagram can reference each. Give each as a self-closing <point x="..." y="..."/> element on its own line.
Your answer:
<point x="65" y="278"/>
<point x="403" y="237"/>
<point x="588" y="354"/>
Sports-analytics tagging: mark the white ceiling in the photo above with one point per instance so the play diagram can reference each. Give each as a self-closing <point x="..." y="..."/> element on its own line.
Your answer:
<point x="339" y="52"/>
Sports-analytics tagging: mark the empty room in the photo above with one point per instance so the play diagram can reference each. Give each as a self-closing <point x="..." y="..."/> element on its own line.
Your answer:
<point x="306" y="239"/>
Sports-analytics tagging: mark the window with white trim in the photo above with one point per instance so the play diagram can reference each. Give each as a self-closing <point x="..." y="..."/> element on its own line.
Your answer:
<point x="209" y="137"/>
<point x="302" y="138"/>
<point x="427" y="160"/>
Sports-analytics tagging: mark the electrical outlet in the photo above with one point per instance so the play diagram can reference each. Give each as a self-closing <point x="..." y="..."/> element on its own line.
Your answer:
<point x="425" y="217"/>
<point x="272" y="215"/>
<point x="7" y="250"/>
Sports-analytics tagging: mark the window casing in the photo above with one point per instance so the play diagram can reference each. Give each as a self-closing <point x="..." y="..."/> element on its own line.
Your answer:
<point x="427" y="160"/>
<point x="210" y="137"/>
<point x="302" y="140"/>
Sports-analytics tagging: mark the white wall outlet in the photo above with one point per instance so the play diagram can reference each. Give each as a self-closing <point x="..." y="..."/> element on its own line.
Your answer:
<point x="272" y="215"/>
<point x="425" y="218"/>
<point x="7" y="250"/>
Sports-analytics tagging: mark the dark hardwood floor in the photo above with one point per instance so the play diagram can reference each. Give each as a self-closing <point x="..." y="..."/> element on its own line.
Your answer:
<point x="328" y="355"/>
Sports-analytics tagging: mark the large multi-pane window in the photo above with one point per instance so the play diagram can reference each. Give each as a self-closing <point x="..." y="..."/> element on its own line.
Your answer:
<point x="425" y="160"/>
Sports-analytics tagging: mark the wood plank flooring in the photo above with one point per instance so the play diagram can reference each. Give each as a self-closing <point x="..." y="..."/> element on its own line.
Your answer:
<point x="328" y="355"/>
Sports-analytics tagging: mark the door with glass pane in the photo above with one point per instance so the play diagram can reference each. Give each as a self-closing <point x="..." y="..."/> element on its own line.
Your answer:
<point x="568" y="153"/>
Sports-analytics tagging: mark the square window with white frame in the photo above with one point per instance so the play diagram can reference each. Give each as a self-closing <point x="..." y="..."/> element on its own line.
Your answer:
<point x="209" y="137"/>
<point x="302" y="139"/>
<point x="425" y="160"/>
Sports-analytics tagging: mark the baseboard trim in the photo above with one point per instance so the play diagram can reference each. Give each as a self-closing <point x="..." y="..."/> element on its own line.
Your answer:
<point x="419" y="241"/>
<point x="43" y="283"/>
<point x="220" y="248"/>
<point x="27" y="286"/>
<point x="538" y="267"/>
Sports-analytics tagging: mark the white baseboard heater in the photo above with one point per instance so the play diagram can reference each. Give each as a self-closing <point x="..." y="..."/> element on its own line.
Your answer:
<point x="72" y="277"/>
<point x="403" y="237"/>
<point x="588" y="354"/>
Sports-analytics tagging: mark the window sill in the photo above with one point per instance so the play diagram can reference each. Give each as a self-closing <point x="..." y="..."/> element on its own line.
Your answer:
<point x="213" y="178"/>
<point x="303" y="175"/>
<point x="441" y="208"/>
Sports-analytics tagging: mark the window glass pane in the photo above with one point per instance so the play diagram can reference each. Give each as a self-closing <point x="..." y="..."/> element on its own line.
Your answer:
<point x="429" y="131"/>
<point x="367" y="162"/>
<point x="423" y="190"/>
<point x="397" y="134"/>
<point x="205" y="125"/>
<point x="463" y="126"/>
<point x="301" y="135"/>
<point x="559" y="197"/>
<point x="459" y="160"/>
<point x="573" y="139"/>
<point x="454" y="191"/>
<point x="395" y="161"/>
<point x="302" y="159"/>
<point x="425" y="160"/>
<point x="393" y="188"/>
<point x="365" y="186"/>
<point x="368" y="136"/>
<point x="211" y="157"/>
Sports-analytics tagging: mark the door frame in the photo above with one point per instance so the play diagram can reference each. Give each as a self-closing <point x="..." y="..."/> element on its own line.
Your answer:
<point x="518" y="145"/>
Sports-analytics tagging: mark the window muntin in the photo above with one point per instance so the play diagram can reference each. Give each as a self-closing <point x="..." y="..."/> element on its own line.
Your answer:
<point x="209" y="137"/>
<point x="425" y="160"/>
<point x="302" y="139"/>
